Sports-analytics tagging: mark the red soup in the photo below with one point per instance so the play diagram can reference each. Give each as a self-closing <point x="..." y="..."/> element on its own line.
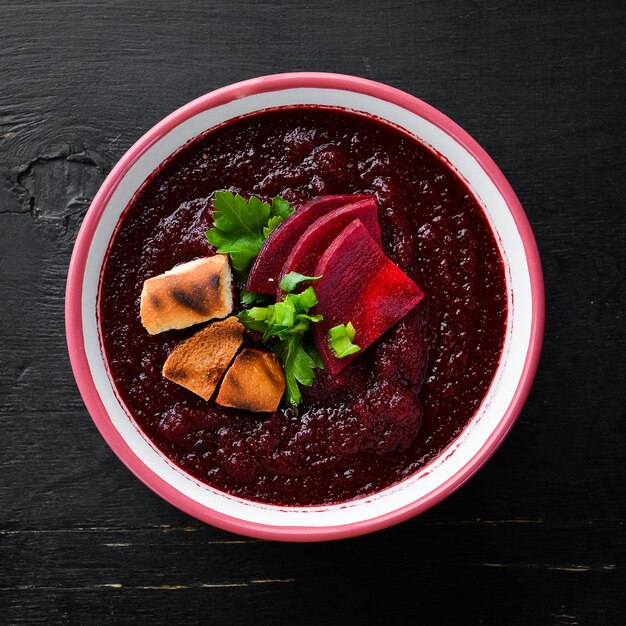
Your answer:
<point x="392" y="409"/>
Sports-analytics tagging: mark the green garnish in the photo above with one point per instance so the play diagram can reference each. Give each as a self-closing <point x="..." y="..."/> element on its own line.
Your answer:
<point x="240" y="227"/>
<point x="299" y="361"/>
<point x="250" y="297"/>
<point x="293" y="279"/>
<point x="340" y="339"/>
<point x="289" y="321"/>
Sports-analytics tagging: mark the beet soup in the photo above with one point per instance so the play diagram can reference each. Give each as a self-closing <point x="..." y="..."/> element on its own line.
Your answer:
<point x="390" y="410"/>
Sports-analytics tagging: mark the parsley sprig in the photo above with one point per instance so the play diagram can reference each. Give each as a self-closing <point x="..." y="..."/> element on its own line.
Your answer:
<point x="240" y="227"/>
<point x="289" y="321"/>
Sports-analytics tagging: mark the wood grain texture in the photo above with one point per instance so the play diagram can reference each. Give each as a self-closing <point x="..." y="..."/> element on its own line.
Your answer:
<point x="537" y="537"/>
<point x="519" y="573"/>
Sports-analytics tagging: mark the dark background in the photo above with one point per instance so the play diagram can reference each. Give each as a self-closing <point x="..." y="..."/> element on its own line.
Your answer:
<point x="537" y="537"/>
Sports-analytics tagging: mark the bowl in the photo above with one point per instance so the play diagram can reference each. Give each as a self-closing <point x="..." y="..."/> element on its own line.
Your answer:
<point x="444" y="474"/>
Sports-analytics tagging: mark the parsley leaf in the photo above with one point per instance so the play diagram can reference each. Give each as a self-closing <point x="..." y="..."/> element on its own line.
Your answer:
<point x="280" y="207"/>
<point x="240" y="227"/>
<point x="340" y="338"/>
<point x="250" y="297"/>
<point x="299" y="366"/>
<point x="280" y="211"/>
<point x="289" y="321"/>
<point x="293" y="279"/>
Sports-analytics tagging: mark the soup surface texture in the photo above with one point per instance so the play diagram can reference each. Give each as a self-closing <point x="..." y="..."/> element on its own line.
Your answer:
<point x="397" y="405"/>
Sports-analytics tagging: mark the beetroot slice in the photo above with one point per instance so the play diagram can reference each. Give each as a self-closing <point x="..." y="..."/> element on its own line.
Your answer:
<point x="359" y="285"/>
<point x="274" y="252"/>
<point x="318" y="236"/>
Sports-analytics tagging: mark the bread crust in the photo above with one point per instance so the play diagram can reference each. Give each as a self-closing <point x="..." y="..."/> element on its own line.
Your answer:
<point x="254" y="382"/>
<point x="199" y="363"/>
<point x="188" y="294"/>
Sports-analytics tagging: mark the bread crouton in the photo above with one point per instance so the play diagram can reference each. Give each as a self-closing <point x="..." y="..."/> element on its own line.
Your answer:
<point x="255" y="382"/>
<point x="199" y="363"/>
<point x="187" y="294"/>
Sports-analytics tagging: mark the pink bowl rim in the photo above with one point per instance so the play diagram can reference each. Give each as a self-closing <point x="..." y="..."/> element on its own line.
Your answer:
<point x="73" y="300"/>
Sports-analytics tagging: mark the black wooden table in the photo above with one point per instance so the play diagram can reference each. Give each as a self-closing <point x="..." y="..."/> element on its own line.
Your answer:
<point x="537" y="537"/>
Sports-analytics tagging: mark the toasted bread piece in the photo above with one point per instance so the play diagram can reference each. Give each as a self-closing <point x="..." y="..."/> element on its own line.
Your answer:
<point x="255" y="382"/>
<point x="188" y="294"/>
<point x="199" y="363"/>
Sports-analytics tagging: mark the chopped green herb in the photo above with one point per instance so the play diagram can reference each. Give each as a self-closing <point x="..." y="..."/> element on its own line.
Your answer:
<point x="289" y="321"/>
<point x="340" y="338"/>
<point x="293" y="279"/>
<point x="240" y="227"/>
<point x="283" y="314"/>
<point x="305" y="300"/>
<point x="259" y="313"/>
